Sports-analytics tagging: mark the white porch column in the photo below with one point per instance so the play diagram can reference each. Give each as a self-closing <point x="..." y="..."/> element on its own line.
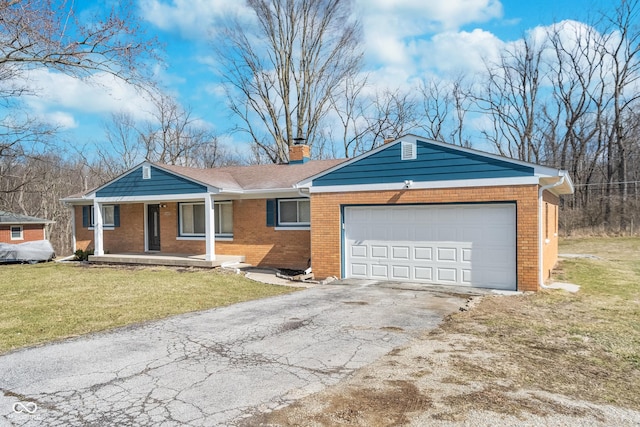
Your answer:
<point x="73" y="226"/>
<point x="210" y="229"/>
<point x="98" y="242"/>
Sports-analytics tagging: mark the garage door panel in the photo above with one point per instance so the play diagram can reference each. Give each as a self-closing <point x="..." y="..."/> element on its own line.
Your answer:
<point x="401" y="252"/>
<point x="379" y="271"/>
<point x="359" y="270"/>
<point x="447" y="275"/>
<point x="471" y="245"/>
<point x="466" y="277"/>
<point x="423" y="273"/>
<point x="447" y="254"/>
<point x="400" y="272"/>
<point x="379" y="251"/>
<point x="423" y="253"/>
<point x="359" y="251"/>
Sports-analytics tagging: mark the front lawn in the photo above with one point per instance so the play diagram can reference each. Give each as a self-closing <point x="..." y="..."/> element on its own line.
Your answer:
<point x="45" y="302"/>
<point x="584" y="345"/>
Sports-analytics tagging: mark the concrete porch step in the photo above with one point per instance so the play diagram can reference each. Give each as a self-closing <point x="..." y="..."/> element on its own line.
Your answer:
<point x="176" y="260"/>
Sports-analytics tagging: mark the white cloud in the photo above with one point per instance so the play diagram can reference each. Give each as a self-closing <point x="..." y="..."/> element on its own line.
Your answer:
<point x="459" y="52"/>
<point x="58" y="98"/>
<point x="445" y="15"/>
<point x="191" y="18"/>
<point x="407" y="40"/>
<point x="60" y="119"/>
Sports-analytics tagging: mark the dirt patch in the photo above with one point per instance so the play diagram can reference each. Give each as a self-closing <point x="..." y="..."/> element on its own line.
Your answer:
<point x="501" y="400"/>
<point x="387" y="406"/>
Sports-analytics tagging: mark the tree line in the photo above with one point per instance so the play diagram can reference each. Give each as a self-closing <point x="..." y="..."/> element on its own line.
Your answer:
<point x="565" y="97"/>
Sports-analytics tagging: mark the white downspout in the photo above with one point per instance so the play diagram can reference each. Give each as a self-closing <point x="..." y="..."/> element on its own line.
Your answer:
<point x="541" y="191"/>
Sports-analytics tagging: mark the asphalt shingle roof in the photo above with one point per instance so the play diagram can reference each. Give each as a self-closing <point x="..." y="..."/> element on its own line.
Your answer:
<point x="14" y="218"/>
<point x="258" y="177"/>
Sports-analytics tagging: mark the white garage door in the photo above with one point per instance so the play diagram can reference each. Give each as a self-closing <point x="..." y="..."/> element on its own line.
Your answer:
<point x="467" y="245"/>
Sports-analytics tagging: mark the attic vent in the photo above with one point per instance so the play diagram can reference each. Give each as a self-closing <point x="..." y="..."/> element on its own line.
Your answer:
<point x="146" y="172"/>
<point x="408" y="150"/>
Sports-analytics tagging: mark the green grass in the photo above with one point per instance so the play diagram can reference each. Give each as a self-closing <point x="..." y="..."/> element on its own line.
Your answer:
<point x="585" y="345"/>
<point x="46" y="302"/>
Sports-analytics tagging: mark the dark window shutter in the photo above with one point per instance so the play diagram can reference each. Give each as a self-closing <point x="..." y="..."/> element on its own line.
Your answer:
<point x="116" y="215"/>
<point x="271" y="212"/>
<point x="85" y="216"/>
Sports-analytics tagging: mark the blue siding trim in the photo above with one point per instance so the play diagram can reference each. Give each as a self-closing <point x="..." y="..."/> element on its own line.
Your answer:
<point x="433" y="163"/>
<point x="161" y="182"/>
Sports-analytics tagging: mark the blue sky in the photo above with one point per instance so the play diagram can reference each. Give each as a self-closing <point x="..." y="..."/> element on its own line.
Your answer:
<point x="404" y="39"/>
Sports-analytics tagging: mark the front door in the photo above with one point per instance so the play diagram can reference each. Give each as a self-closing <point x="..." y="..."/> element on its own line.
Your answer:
<point x="153" y="227"/>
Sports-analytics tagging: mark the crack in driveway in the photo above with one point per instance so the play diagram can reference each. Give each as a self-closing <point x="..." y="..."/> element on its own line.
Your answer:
<point x="217" y="366"/>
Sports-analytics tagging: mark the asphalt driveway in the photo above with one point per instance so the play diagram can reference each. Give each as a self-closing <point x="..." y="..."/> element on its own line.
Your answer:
<point x="217" y="366"/>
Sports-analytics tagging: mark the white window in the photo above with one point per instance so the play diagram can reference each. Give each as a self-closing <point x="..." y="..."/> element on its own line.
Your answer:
<point x="108" y="216"/>
<point x="192" y="219"/>
<point x="294" y="212"/>
<point x="16" y="232"/>
<point x="146" y="172"/>
<point x="224" y="218"/>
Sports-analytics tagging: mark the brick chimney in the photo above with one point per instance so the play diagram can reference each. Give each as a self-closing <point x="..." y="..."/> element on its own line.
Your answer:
<point x="299" y="153"/>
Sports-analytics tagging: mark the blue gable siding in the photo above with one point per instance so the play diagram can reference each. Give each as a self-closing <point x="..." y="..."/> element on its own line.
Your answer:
<point x="161" y="182"/>
<point x="432" y="163"/>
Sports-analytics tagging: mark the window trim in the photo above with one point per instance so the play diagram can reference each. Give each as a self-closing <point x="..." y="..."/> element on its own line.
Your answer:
<point x="105" y="226"/>
<point x="202" y="236"/>
<point x="181" y="233"/>
<point x="222" y="236"/>
<point x="297" y="224"/>
<point x="19" y="227"/>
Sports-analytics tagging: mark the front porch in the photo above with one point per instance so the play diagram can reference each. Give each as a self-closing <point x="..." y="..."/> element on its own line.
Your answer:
<point x="174" y="260"/>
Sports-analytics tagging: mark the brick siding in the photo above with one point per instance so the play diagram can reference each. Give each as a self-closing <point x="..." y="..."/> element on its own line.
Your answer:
<point x="326" y="233"/>
<point x="261" y="245"/>
<point x="550" y="204"/>
<point x="30" y="233"/>
<point x="266" y="246"/>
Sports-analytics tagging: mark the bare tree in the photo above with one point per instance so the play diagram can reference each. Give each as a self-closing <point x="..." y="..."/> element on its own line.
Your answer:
<point x="49" y="34"/>
<point x="170" y="135"/>
<point x="510" y="99"/>
<point x="623" y="51"/>
<point x="282" y="71"/>
<point x="445" y="106"/>
<point x="349" y="106"/>
<point x="391" y="114"/>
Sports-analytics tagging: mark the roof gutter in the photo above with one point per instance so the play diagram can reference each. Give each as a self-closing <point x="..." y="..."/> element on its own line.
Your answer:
<point x="541" y="191"/>
<point x="303" y="193"/>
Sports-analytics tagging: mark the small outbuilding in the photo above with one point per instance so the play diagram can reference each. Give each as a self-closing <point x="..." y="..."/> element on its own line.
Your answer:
<point x="16" y="228"/>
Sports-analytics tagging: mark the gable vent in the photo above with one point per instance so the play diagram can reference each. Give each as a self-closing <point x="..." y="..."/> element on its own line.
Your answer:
<point x="408" y="150"/>
<point x="146" y="172"/>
